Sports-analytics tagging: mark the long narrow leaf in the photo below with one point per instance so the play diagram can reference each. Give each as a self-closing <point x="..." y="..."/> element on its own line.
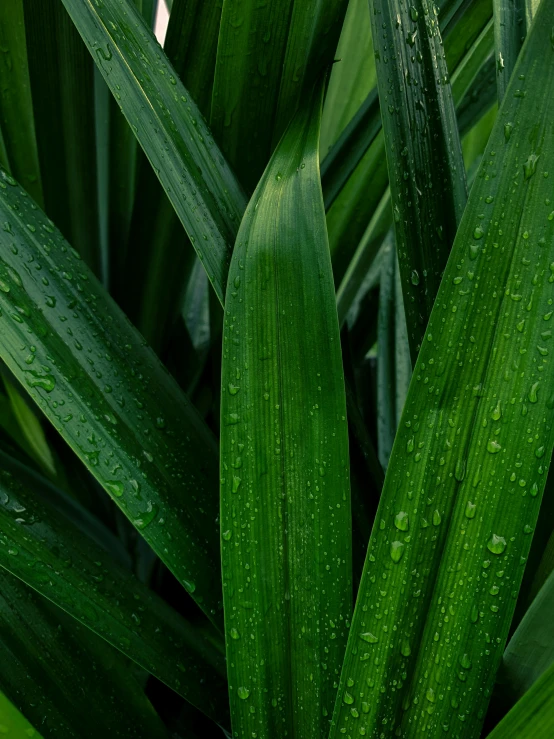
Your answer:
<point x="285" y="504"/>
<point x="470" y="458"/>
<point x="107" y="394"/>
<point x="168" y="126"/>
<point x="62" y="87"/>
<point x="421" y="136"/>
<point x="13" y="723"/>
<point x="533" y="716"/>
<point x="16" y="106"/>
<point x="82" y="689"/>
<point x="42" y="548"/>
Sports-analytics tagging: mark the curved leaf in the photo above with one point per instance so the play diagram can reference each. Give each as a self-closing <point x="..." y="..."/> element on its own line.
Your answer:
<point x="533" y="716"/>
<point x="42" y="548"/>
<point x="285" y="501"/>
<point x="65" y="679"/>
<point x="424" y="154"/>
<point x="108" y="395"/>
<point x="168" y="126"/>
<point x="13" y="723"/>
<point x="469" y="462"/>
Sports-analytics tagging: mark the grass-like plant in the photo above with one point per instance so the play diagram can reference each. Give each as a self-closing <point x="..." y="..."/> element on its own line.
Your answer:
<point x="277" y="405"/>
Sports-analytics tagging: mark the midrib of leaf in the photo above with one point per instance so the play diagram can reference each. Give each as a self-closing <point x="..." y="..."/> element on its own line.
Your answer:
<point x="466" y="474"/>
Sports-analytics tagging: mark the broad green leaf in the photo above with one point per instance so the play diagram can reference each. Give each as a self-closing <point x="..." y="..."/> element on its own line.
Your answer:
<point x="66" y="680"/>
<point x="31" y="430"/>
<point x="107" y="394"/>
<point x="16" y="106"/>
<point x="62" y="88"/>
<point x="533" y="716"/>
<point x="41" y="547"/>
<point x="168" y="126"/>
<point x="421" y="136"/>
<point x="13" y="723"/>
<point x="469" y="462"/>
<point x="285" y="503"/>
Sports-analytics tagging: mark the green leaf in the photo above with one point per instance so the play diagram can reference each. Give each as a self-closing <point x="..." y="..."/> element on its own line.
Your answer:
<point x="41" y="547"/>
<point x="393" y="362"/>
<point x="149" y="285"/>
<point x="314" y="33"/>
<point x="191" y="44"/>
<point x="31" y="430"/>
<point x="16" y="109"/>
<point x="285" y="504"/>
<point x="421" y="136"/>
<point x="350" y="147"/>
<point x="62" y="87"/>
<point x="107" y="394"/>
<point x="246" y="85"/>
<point x="530" y="651"/>
<point x="62" y="677"/>
<point x="469" y="462"/>
<point x="13" y="723"/>
<point x="509" y="34"/>
<point x="533" y="716"/>
<point x="352" y="76"/>
<point x="168" y="126"/>
<point x="364" y="256"/>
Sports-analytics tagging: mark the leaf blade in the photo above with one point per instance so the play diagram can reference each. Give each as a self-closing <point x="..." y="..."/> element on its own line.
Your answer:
<point x="291" y="537"/>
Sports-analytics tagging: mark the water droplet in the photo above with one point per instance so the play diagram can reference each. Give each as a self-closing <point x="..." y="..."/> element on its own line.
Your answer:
<point x="243" y="693"/>
<point x="533" y="397"/>
<point x="530" y="166"/>
<point x="465" y="661"/>
<point x="45" y="381"/>
<point x="496" y="544"/>
<point x="226" y="535"/>
<point x="147" y="516"/>
<point x="414" y="277"/>
<point x="401" y="521"/>
<point x="234" y="633"/>
<point x="115" y="488"/>
<point x="348" y="699"/>
<point x="493" y="446"/>
<point x="396" y="551"/>
<point x="369" y="637"/>
<point x="470" y="509"/>
<point x="478" y="233"/>
<point x="497" y="412"/>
